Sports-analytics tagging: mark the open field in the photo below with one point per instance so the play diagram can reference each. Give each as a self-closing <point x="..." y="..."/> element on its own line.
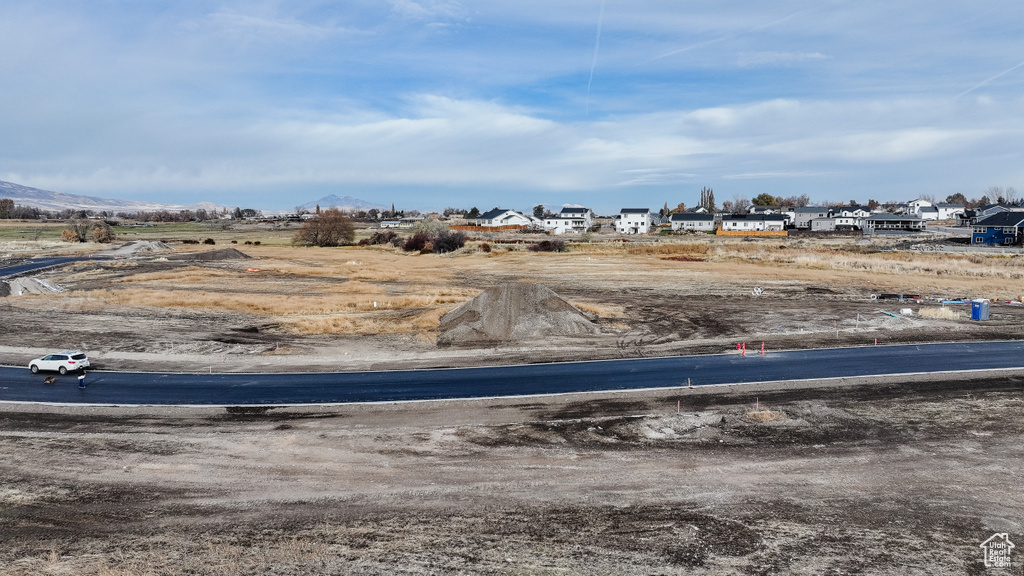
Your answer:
<point x="901" y="475"/>
<point x="287" y="308"/>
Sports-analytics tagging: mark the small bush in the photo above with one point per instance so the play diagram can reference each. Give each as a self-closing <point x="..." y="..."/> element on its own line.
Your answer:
<point x="210" y="241"/>
<point x="234" y="241"/>
<point x="102" y="233"/>
<point x="186" y="241"/>
<point x="383" y="237"/>
<point x="485" y="247"/>
<point x="256" y="243"/>
<point x="248" y="241"/>
<point x="416" y="242"/>
<point x="449" y="241"/>
<point x="68" y="236"/>
<point x="548" y="246"/>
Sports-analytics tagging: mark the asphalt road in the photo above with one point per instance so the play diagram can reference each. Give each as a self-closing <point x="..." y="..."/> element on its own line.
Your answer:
<point x="20" y="385"/>
<point x="41" y="263"/>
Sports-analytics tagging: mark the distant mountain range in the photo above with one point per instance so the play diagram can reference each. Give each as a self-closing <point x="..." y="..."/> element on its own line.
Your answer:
<point x="57" y="201"/>
<point x="347" y="203"/>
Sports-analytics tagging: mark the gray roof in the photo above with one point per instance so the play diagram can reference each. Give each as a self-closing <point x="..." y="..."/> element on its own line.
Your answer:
<point x="755" y="217"/>
<point x="891" y="217"/>
<point x="691" y="216"/>
<point x="635" y="211"/>
<point x="492" y="214"/>
<point x="575" y="210"/>
<point x="1003" y="220"/>
<point x="812" y="209"/>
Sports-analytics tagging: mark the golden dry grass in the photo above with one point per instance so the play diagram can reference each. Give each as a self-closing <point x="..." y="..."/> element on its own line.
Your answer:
<point x="944" y="313"/>
<point x="766" y="415"/>
<point x="333" y="291"/>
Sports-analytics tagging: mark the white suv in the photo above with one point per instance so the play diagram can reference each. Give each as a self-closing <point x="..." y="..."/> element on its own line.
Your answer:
<point x="62" y="362"/>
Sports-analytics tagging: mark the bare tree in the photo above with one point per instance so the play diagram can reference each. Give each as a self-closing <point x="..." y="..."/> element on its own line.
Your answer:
<point x="80" y="228"/>
<point x="329" y="228"/>
<point x="740" y="203"/>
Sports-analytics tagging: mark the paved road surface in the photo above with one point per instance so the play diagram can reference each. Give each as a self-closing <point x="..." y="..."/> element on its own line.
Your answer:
<point x="41" y="263"/>
<point x="18" y="384"/>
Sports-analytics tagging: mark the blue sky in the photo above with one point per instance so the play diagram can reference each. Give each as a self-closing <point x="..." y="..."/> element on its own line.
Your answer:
<point x="439" y="103"/>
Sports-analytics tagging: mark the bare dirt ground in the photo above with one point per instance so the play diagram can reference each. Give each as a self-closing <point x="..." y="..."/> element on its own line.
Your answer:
<point x="895" y="477"/>
<point x="892" y="476"/>
<point x="283" y="308"/>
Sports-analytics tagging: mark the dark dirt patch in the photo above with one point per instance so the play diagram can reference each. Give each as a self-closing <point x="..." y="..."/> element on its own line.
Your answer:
<point x="213" y="255"/>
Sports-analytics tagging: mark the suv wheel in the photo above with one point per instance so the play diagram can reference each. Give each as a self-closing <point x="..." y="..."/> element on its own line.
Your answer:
<point x="34" y="369"/>
<point x="63" y="370"/>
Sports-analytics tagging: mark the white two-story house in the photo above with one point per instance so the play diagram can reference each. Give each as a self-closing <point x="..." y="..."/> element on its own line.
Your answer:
<point x="571" y="220"/>
<point x="633" y="221"/>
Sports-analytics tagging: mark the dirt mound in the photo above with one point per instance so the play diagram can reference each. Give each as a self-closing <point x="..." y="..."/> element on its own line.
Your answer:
<point x="513" y="312"/>
<point x="223" y="254"/>
<point x="20" y="286"/>
<point x="137" y="247"/>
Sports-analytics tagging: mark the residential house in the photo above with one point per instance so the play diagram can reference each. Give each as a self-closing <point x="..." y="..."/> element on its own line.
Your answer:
<point x="571" y="220"/>
<point x="914" y="206"/>
<point x="851" y="211"/>
<point x="948" y="211"/>
<point x="692" y="222"/>
<point x="823" y="225"/>
<point x="803" y="216"/>
<point x="753" y="223"/>
<point x="928" y="213"/>
<point x="836" y="224"/>
<point x="967" y="218"/>
<point x="502" y="217"/>
<point x="892" y="224"/>
<point x="990" y="209"/>
<point x="1004" y="228"/>
<point x="633" y="221"/>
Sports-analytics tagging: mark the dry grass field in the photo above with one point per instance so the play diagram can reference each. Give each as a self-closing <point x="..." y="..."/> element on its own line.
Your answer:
<point x="365" y="307"/>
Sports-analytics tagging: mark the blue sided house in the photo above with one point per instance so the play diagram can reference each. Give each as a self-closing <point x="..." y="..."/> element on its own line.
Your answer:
<point x="1004" y="228"/>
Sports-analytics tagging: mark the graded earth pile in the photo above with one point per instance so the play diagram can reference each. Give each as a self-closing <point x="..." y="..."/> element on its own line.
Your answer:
<point x="20" y="286"/>
<point x="138" y="247"/>
<point x="223" y="254"/>
<point x="514" y="312"/>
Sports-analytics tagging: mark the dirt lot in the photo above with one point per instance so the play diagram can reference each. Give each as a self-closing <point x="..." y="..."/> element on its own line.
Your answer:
<point x="884" y="478"/>
<point x="285" y="308"/>
<point x="897" y="476"/>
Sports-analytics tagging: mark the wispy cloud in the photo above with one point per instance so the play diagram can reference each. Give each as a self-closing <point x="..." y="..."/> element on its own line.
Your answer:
<point x="773" y="175"/>
<point x="777" y="58"/>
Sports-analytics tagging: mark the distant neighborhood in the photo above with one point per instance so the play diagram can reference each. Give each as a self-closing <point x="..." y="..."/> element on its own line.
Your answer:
<point x="995" y="219"/>
<point x="999" y="223"/>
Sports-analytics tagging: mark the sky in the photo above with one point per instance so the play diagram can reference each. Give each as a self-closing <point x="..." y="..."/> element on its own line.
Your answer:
<point x="433" y="104"/>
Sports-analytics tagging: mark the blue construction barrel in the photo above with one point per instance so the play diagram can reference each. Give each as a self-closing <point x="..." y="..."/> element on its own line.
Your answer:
<point x="979" y="309"/>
